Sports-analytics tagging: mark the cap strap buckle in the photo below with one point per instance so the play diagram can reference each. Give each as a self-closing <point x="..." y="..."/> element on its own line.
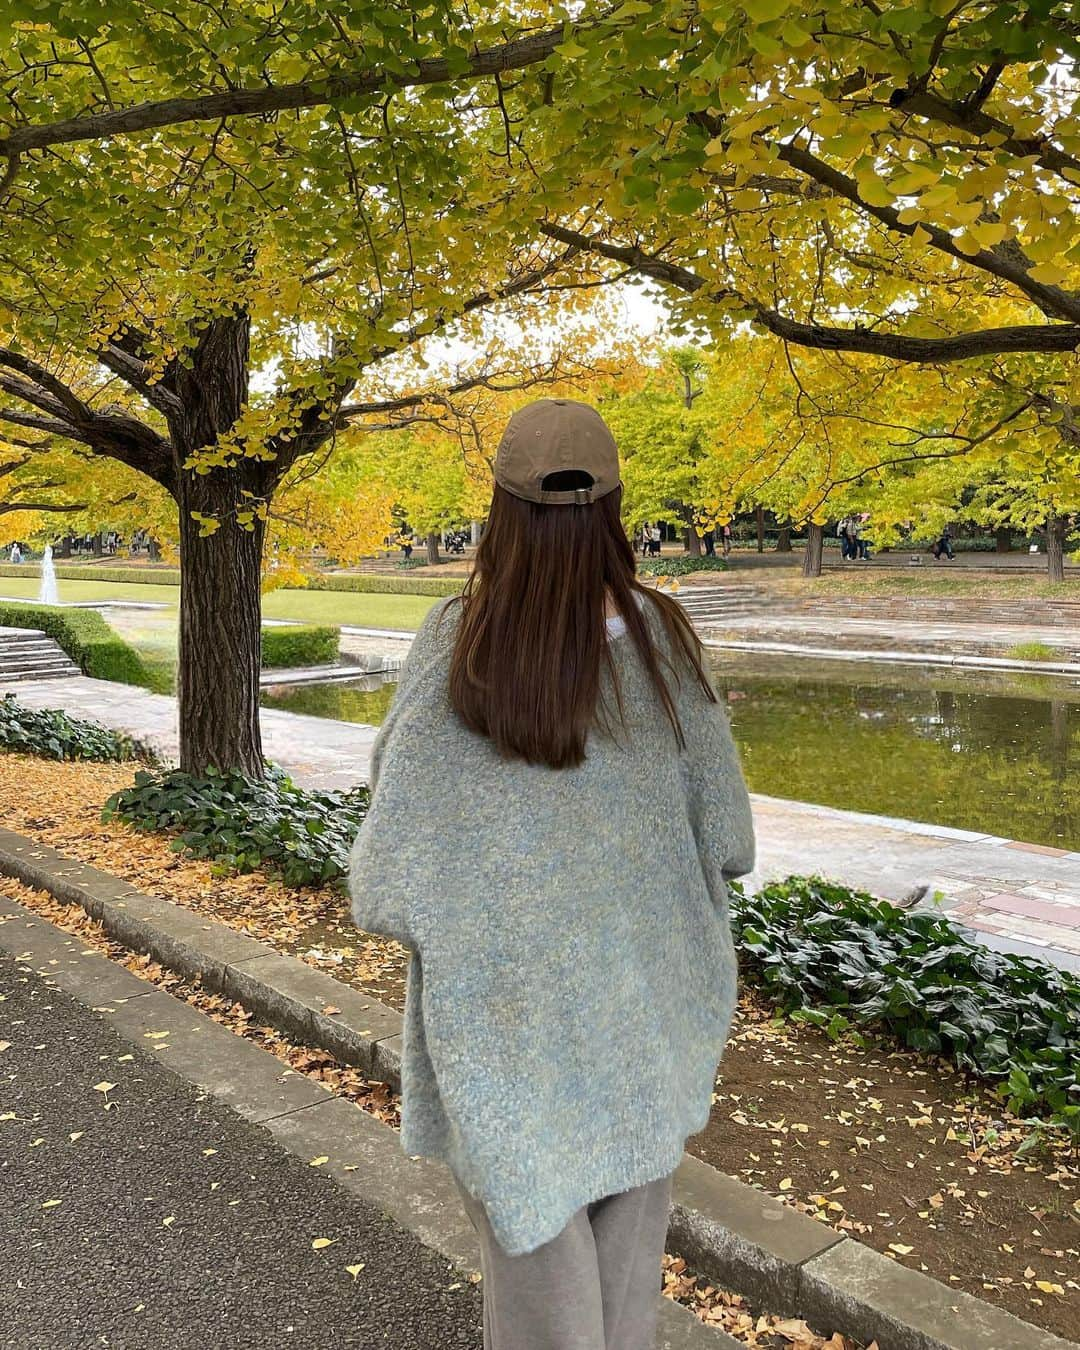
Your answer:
<point x="582" y="496"/>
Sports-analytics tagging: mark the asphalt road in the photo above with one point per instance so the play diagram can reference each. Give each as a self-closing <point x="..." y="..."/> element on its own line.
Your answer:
<point x="179" y="1224"/>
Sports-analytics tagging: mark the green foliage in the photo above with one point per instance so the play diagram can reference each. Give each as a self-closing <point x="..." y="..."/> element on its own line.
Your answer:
<point x="300" y="645"/>
<point x="94" y="647"/>
<point x="242" y="824"/>
<point x="1034" y="651"/>
<point x="680" y="567"/>
<point x="839" y="959"/>
<point x="52" y="734"/>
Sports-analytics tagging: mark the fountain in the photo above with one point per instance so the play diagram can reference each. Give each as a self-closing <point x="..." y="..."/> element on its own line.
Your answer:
<point x="47" y="593"/>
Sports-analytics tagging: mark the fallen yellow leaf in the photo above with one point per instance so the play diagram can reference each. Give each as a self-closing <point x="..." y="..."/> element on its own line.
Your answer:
<point x="319" y="1243"/>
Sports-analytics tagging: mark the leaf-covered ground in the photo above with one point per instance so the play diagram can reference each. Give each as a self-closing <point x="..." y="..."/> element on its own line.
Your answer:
<point x="897" y="1150"/>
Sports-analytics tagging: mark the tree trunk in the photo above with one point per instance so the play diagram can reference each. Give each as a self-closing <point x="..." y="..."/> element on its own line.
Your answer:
<point x="474" y="532"/>
<point x="1056" y="528"/>
<point x="759" y="520"/>
<point x="220" y="630"/>
<point x="96" y="547"/>
<point x="433" y="549"/>
<point x="783" y="539"/>
<point x="153" y="549"/>
<point x="1003" y="539"/>
<point x="690" y="535"/>
<point x="815" y="544"/>
<point x="65" y="547"/>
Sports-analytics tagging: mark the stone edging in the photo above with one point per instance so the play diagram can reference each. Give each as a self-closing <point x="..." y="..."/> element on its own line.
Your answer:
<point x="745" y="1240"/>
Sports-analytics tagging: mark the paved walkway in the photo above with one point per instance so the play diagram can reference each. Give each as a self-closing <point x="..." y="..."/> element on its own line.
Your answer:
<point x="839" y="631"/>
<point x="1015" y="896"/>
<point x="132" y="1218"/>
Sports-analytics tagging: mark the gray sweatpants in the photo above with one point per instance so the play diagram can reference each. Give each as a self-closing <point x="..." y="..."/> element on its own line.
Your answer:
<point x="593" y="1287"/>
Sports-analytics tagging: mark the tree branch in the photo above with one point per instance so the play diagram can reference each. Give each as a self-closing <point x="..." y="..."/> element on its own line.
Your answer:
<point x="514" y="55"/>
<point x="1050" y="337"/>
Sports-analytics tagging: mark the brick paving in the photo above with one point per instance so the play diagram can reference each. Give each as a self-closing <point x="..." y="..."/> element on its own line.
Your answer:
<point x="1012" y="895"/>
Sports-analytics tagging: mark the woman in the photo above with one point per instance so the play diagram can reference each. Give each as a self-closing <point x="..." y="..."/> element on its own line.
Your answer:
<point x="562" y="1023"/>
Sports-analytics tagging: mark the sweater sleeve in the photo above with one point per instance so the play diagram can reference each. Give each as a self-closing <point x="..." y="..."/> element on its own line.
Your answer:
<point x="717" y="799"/>
<point x="374" y="910"/>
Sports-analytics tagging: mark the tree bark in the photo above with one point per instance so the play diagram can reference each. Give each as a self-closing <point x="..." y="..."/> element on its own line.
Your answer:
<point x="65" y="547"/>
<point x="220" y="630"/>
<point x="759" y="520"/>
<point x="97" y="549"/>
<point x="1056" y="527"/>
<point x="783" y="539"/>
<point x="815" y="544"/>
<point x="153" y="549"/>
<point x="691" y="538"/>
<point x="433" y="549"/>
<point x="1003" y="539"/>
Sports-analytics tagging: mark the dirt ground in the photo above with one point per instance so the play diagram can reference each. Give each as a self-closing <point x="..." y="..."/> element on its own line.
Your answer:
<point x="895" y="1149"/>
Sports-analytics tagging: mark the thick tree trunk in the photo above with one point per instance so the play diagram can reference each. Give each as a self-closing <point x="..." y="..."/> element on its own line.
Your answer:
<point x="759" y="520"/>
<point x="1002" y="539"/>
<point x="153" y="550"/>
<point x="96" y="546"/>
<point x="220" y="630"/>
<point x="815" y="543"/>
<point x="1056" y="528"/>
<point x="433" y="549"/>
<point x="220" y="599"/>
<point x="783" y="539"/>
<point x="65" y="547"/>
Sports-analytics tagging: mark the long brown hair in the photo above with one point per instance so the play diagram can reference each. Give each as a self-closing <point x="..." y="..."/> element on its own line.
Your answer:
<point x="526" y="665"/>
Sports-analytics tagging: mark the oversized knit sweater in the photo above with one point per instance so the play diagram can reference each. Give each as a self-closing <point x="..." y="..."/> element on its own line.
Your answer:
<point x="572" y="975"/>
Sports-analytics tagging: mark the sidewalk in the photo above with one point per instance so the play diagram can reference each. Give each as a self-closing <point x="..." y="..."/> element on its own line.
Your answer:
<point x="1014" y="896"/>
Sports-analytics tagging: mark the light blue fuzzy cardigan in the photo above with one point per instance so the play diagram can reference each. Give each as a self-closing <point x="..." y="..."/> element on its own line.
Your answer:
<point x="573" y="977"/>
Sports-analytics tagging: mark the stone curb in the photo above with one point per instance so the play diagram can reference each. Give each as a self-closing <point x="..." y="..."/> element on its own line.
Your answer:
<point x="744" y="1240"/>
<point x="363" y="1155"/>
<point x="896" y="658"/>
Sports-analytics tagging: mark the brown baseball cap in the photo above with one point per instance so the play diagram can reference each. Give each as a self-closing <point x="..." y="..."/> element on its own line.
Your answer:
<point x="554" y="435"/>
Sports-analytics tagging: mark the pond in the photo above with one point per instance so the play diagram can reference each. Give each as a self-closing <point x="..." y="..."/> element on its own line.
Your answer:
<point x="978" y="751"/>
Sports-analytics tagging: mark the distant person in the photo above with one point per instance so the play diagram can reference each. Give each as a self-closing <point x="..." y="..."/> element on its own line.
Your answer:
<point x="842" y="535"/>
<point x="727" y="539"/>
<point x="654" y="541"/>
<point x="709" y="540"/>
<point x="943" y="545"/>
<point x="16" y="553"/>
<point x="862" y="549"/>
<point x="406" y="543"/>
<point x="563" y="1020"/>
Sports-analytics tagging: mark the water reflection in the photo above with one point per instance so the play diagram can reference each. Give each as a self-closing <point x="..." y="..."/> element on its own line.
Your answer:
<point x="989" y="752"/>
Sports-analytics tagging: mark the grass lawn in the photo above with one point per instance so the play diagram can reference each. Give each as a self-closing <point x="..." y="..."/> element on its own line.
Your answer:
<point x="335" y="607"/>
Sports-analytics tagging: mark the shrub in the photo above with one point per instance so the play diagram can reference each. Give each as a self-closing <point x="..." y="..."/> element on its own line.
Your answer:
<point x="680" y="567"/>
<point x="243" y="824"/>
<point x="838" y="957"/>
<point x="94" y="647"/>
<point x="299" y="645"/>
<point x="52" y="734"/>
<point x="133" y="573"/>
<point x="1034" y="651"/>
<point x="384" y="585"/>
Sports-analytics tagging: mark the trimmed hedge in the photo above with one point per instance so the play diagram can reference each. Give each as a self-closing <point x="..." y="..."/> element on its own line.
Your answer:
<point x="681" y="566"/>
<point x="299" y="645"/>
<point x="94" y="647"/>
<point x="149" y="575"/>
<point x="370" y="583"/>
<point x="305" y="836"/>
<point x="52" y="734"/>
<point x="375" y="584"/>
<point x="840" y="959"/>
